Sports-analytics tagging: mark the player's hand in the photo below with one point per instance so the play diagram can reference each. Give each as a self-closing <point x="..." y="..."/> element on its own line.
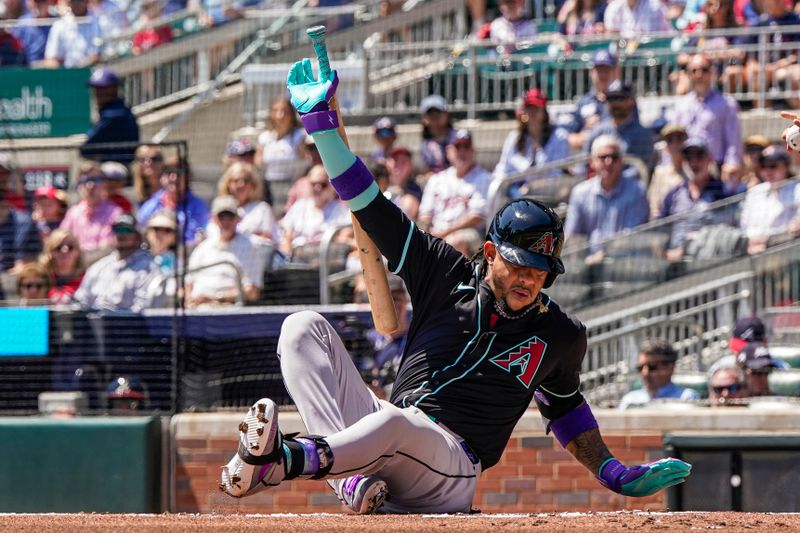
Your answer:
<point x="646" y="479"/>
<point x="795" y="122"/>
<point x="308" y="94"/>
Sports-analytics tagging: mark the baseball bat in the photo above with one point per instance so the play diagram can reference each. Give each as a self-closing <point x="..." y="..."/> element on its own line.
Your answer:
<point x="380" y="298"/>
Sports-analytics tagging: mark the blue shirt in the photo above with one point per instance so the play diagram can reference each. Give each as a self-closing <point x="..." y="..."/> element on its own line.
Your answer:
<point x="116" y="124"/>
<point x="679" y="200"/>
<point x="192" y="218"/>
<point x="600" y="214"/>
<point x="778" y="37"/>
<point x="513" y="161"/>
<point x="33" y="38"/>
<point x="588" y="104"/>
<point x="639" y="140"/>
<point x="640" y="397"/>
<point x="19" y="239"/>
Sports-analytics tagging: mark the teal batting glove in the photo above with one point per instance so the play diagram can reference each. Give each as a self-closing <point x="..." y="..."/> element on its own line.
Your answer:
<point x="643" y="480"/>
<point x="307" y="94"/>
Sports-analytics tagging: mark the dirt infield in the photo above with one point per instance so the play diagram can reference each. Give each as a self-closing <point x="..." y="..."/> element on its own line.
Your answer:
<point x="564" y="522"/>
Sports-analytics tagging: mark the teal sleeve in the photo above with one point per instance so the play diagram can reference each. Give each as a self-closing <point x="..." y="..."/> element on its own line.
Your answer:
<point x="336" y="156"/>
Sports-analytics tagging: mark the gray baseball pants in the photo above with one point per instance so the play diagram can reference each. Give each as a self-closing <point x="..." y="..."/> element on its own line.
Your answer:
<point x="422" y="462"/>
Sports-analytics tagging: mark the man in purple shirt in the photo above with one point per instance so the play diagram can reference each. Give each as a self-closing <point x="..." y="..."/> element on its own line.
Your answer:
<point x="607" y="203"/>
<point x="712" y="116"/>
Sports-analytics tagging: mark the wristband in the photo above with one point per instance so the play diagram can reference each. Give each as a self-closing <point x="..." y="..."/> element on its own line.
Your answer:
<point x="353" y="181"/>
<point x="572" y="424"/>
<point x="320" y="121"/>
<point x="610" y="474"/>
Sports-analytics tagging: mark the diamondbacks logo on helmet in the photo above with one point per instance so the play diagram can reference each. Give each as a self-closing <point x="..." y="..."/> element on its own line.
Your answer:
<point x="527" y="356"/>
<point x="544" y="245"/>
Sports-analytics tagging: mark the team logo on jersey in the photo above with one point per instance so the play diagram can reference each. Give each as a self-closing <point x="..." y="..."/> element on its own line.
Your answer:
<point x="525" y="357"/>
<point x="544" y="245"/>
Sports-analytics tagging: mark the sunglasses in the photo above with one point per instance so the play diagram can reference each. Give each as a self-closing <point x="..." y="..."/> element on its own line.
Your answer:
<point x="226" y="215"/>
<point x="700" y="70"/>
<point x="611" y="157"/>
<point x="694" y="155"/>
<point x="65" y="248"/>
<point x="162" y="230"/>
<point x="616" y="98"/>
<point x="90" y="179"/>
<point x="33" y="285"/>
<point x="732" y="389"/>
<point x="651" y="367"/>
<point x="150" y="159"/>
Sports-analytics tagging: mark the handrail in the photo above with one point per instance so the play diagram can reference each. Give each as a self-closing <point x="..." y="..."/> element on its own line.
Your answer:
<point x="324" y="253"/>
<point x="240" y="299"/>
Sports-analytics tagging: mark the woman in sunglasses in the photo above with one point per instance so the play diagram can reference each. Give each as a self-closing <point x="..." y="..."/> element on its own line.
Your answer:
<point x="62" y="260"/>
<point x="33" y="285"/>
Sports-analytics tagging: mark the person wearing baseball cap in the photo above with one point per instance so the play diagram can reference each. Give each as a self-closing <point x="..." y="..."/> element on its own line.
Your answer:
<point x="757" y="364"/>
<point x="116" y="124"/>
<point x="437" y="128"/>
<point x="385" y="136"/>
<point x="668" y="174"/>
<point x="591" y="107"/>
<point x="751" y="160"/>
<point x="90" y="220"/>
<point x="117" y="177"/>
<point x="747" y="330"/>
<point x="49" y="208"/>
<point x="403" y="189"/>
<point x="769" y="212"/>
<point x="535" y="142"/>
<point x="239" y="150"/>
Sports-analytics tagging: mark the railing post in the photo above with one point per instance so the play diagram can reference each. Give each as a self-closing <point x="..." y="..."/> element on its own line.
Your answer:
<point x="203" y="67"/>
<point x="472" y="81"/>
<point x="762" y="65"/>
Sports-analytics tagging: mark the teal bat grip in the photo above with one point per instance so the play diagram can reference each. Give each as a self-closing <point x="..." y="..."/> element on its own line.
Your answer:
<point x="317" y="35"/>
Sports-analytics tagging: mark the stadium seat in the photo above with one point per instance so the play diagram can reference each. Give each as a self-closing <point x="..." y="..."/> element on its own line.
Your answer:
<point x="635" y="269"/>
<point x="570" y="295"/>
<point x="785" y="382"/>
<point x="697" y="381"/>
<point x="638" y="243"/>
<point x="789" y="354"/>
<point x="610" y="289"/>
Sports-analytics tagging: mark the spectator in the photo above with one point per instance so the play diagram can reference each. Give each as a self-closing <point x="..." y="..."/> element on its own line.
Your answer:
<point x="221" y="284"/>
<point x="385" y="136"/>
<point x="11" y="183"/>
<point x="90" y="220"/>
<point x="301" y="187"/>
<point x="240" y="150"/>
<point x="279" y="153"/>
<point x="690" y="15"/>
<point x="455" y="198"/>
<point x="536" y="141"/>
<point x="747" y="330"/>
<point x="712" y="116"/>
<point x="72" y="44"/>
<point x="217" y="12"/>
<point x="175" y="195"/>
<point x="692" y="197"/>
<point x="656" y="364"/>
<point x="781" y="65"/>
<point x="116" y="178"/>
<point x="670" y="173"/>
<point x="512" y="26"/>
<point x="112" y="17"/>
<point x="122" y="280"/>
<point x="751" y="161"/>
<point x="437" y="131"/>
<point x="241" y="181"/>
<point x="150" y="36"/>
<point x="726" y="383"/>
<point x="49" y="209"/>
<point x="161" y="238"/>
<point x="311" y="152"/>
<point x="116" y="126"/>
<point x="14" y="8"/>
<point x="174" y="6"/>
<point x="33" y="285"/>
<point x="62" y="259"/>
<point x="309" y="218"/>
<point x="403" y="189"/>
<point x="582" y="17"/>
<point x="607" y="203"/>
<point x="591" y="107"/>
<point x="147" y="169"/>
<point x="757" y="364"/>
<point x="624" y="123"/>
<point x="772" y="208"/>
<point x="126" y="394"/>
<point x="34" y="36"/>
<point x="631" y="19"/>
<point x="465" y="241"/>
<point x="12" y="51"/>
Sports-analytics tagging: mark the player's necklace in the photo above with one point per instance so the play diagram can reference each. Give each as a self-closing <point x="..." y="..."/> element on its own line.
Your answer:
<point x="505" y="312"/>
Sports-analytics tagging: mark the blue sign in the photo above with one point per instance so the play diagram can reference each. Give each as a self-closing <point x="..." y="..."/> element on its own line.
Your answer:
<point x="24" y="331"/>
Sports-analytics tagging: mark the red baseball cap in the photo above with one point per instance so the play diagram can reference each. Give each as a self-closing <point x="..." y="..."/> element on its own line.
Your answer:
<point x="398" y="150"/>
<point x="534" y="98"/>
<point x="48" y="191"/>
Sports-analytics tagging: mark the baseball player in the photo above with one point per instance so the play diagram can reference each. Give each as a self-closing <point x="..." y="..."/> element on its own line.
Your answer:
<point x="484" y="341"/>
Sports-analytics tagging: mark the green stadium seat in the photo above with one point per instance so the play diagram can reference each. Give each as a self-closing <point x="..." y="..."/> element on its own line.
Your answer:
<point x="789" y="354"/>
<point x="697" y="381"/>
<point x="785" y="382"/>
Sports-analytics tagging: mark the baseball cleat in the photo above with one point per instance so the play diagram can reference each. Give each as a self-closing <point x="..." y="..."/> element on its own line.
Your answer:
<point x="363" y="494"/>
<point x="258" y="462"/>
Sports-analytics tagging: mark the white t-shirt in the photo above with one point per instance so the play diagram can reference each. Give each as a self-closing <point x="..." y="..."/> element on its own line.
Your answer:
<point x="448" y="199"/>
<point x="73" y="43"/>
<point x="308" y="222"/>
<point x="257" y="217"/>
<point x="243" y="252"/>
<point x="503" y="31"/>
<point x="281" y="158"/>
<point x="647" y="16"/>
<point x="767" y="211"/>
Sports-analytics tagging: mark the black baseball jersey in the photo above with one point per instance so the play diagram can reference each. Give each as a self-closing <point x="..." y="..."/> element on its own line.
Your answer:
<point x="475" y="379"/>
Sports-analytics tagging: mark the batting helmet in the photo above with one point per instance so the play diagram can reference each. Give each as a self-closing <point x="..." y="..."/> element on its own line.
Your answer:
<point x="529" y="234"/>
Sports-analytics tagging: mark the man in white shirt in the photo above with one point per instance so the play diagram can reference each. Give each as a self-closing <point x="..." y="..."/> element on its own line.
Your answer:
<point x="634" y="18"/>
<point x="72" y="44"/>
<point x="126" y="279"/>
<point x="228" y="265"/>
<point x="455" y="198"/>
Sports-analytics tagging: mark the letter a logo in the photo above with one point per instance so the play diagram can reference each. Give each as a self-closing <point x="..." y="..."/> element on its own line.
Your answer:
<point x="544" y="245"/>
<point x="527" y="356"/>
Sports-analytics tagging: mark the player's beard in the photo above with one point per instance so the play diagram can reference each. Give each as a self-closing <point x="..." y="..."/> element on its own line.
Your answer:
<point x="501" y="302"/>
